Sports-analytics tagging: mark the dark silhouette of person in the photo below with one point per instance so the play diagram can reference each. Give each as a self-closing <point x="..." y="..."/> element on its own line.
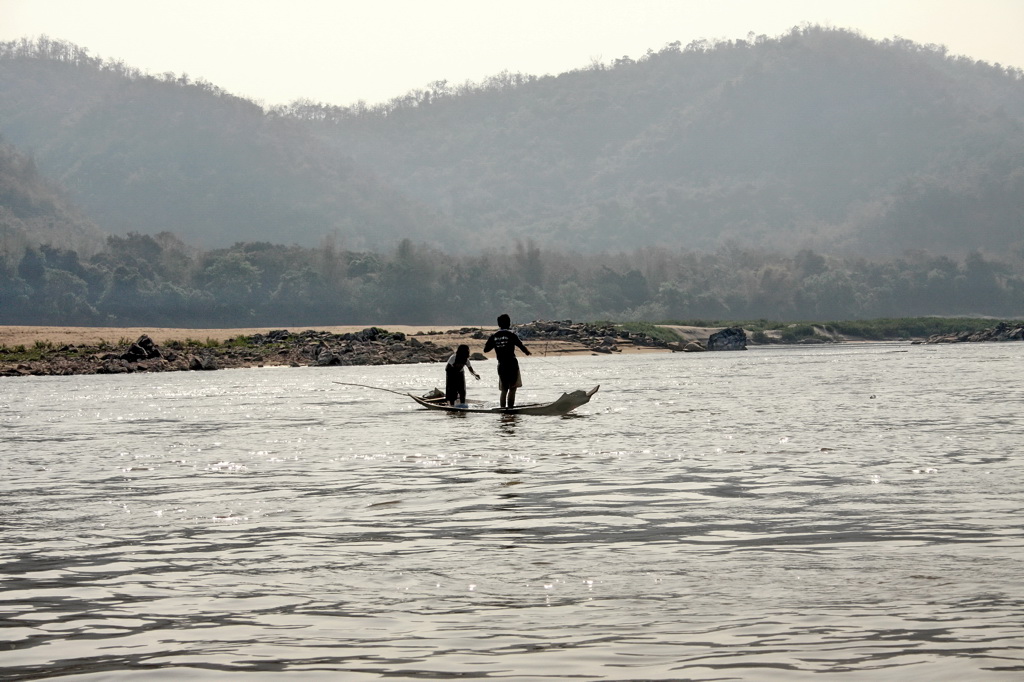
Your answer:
<point x="504" y="343"/>
<point x="455" y="377"/>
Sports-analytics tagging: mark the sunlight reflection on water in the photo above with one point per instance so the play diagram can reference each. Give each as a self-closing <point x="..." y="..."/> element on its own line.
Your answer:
<point x="775" y="513"/>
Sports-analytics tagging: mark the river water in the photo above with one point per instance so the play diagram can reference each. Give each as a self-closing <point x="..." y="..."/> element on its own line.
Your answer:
<point x="772" y="514"/>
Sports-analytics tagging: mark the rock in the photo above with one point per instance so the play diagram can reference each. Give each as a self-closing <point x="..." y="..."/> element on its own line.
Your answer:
<point x="731" y="338"/>
<point x="202" y="362"/>
<point x="134" y="353"/>
<point x="115" y="366"/>
<point x="369" y="334"/>
<point x="142" y="349"/>
<point x="1001" y="332"/>
<point x="327" y="358"/>
<point x="148" y="346"/>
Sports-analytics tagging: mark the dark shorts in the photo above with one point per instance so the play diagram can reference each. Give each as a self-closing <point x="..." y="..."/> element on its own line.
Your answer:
<point x="508" y="375"/>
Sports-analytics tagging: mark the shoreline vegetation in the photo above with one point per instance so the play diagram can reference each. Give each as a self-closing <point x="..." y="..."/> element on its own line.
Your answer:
<point x="56" y="351"/>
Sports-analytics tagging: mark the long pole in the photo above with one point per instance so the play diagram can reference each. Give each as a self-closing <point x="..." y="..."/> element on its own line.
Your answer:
<point x="376" y="388"/>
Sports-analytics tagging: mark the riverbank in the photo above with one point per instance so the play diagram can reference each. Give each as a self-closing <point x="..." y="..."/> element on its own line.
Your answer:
<point x="116" y="350"/>
<point x="27" y="350"/>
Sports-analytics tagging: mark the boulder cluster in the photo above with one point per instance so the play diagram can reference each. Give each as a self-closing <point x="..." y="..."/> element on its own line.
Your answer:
<point x="731" y="338"/>
<point x="609" y="339"/>
<point x="1004" y="331"/>
<point x="595" y="337"/>
<point x="372" y="346"/>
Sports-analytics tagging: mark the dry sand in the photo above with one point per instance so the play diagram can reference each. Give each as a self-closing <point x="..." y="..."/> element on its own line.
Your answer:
<point x="87" y="336"/>
<point x="443" y="336"/>
<point x="447" y="335"/>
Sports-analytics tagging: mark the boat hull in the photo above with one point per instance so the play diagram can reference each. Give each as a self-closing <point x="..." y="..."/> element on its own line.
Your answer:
<point x="565" y="404"/>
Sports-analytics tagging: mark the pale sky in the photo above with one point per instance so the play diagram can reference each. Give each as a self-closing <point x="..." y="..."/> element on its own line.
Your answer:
<point x="340" y="51"/>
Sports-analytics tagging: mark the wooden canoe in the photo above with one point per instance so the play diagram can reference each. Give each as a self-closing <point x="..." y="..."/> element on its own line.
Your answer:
<point x="565" y="404"/>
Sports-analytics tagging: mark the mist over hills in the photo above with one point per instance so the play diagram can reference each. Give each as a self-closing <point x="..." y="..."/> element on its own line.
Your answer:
<point x="34" y="212"/>
<point x="149" y="154"/>
<point x="817" y="175"/>
<point x="818" y="139"/>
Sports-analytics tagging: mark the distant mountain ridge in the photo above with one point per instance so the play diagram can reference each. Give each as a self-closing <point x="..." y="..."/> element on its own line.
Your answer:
<point x="162" y="154"/>
<point x="819" y="138"/>
<point x="34" y="212"/>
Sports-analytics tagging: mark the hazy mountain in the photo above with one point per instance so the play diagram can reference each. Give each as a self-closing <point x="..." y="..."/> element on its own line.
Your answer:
<point x="817" y="139"/>
<point x="154" y="154"/>
<point x="34" y="212"/>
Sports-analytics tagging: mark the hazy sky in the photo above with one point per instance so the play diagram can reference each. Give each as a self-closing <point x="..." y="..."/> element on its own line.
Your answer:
<point x="340" y="51"/>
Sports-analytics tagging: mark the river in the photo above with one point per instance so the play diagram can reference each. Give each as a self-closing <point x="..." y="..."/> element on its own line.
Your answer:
<point x="774" y="514"/>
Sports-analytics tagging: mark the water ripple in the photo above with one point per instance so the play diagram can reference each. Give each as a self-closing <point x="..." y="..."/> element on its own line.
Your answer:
<point x="779" y="514"/>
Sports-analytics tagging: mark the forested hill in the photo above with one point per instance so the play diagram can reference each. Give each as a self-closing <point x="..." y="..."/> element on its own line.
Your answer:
<point x="152" y="154"/>
<point x="816" y="139"/>
<point x="34" y="212"/>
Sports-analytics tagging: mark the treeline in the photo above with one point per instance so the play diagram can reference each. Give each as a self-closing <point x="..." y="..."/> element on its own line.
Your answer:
<point x="161" y="281"/>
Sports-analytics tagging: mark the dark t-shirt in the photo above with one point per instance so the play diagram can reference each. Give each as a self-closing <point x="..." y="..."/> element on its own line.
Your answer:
<point x="504" y="343"/>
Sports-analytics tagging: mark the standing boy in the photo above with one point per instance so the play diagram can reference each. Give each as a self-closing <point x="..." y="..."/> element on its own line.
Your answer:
<point x="504" y="342"/>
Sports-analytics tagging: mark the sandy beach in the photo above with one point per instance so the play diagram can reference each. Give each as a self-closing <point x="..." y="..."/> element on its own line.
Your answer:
<point x="84" y="336"/>
<point x="448" y="335"/>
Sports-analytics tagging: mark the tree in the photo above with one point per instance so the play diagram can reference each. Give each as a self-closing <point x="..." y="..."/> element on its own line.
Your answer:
<point x="410" y="285"/>
<point x="529" y="264"/>
<point x="32" y="268"/>
<point x="66" y="299"/>
<point x="232" y="281"/>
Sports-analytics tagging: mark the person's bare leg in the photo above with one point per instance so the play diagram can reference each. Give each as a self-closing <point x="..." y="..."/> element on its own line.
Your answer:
<point x="511" y="398"/>
<point x="501" y="400"/>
